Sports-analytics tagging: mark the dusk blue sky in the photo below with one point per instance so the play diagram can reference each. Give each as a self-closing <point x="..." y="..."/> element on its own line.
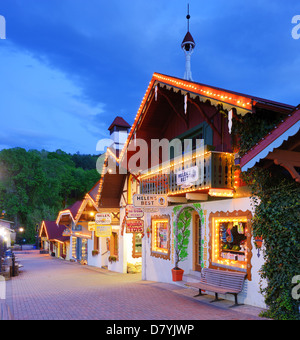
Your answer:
<point x="68" y="67"/>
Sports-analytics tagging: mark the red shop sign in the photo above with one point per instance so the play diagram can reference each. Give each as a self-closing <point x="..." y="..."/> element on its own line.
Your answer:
<point x="134" y="226"/>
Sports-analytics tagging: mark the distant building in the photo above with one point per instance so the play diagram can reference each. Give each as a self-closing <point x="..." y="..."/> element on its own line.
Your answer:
<point x="54" y="240"/>
<point x="7" y="232"/>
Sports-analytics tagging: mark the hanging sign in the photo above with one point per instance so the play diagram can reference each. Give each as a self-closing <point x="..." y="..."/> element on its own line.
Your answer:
<point x="134" y="212"/>
<point x="91" y="226"/>
<point x="103" y="230"/>
<point x="103" y="218"/>
<point x="187" y="177"/>
<point x="150" y="201"/>
<point x="134" y="226"/>
<point x="66" y="232"/>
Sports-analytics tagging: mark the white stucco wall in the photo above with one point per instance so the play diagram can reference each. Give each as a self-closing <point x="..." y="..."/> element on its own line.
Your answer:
<point x="125" y="249"/>
<point x="156" y="269"/>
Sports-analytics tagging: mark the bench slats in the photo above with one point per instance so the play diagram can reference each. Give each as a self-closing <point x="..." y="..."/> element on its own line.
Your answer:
<point x="220" y="280"/>
<point x="213" y="288"/>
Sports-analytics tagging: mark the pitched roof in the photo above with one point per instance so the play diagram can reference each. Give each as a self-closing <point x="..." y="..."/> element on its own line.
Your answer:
<point x="119" y="121"/>
<point x="94" y="192"/>
<point x="54" y="231"/>
<point x="93" y="197"/>
<point x="72" y="210"/>
<point x="225" y="96"/>
<point x="274" y="139"/>
<point x="229" y="99"/>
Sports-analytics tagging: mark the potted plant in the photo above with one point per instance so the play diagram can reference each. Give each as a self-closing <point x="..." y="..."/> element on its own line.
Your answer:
<point x="181" y="241"/>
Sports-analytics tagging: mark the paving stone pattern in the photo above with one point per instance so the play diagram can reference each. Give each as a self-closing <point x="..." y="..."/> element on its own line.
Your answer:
<point x="52" y="289"/>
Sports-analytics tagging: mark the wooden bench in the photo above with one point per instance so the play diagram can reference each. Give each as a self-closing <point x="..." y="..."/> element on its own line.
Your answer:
<point x="220" y="282"/>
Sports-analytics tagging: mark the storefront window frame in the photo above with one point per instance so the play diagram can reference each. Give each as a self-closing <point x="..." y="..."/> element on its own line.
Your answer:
<point x="156" y="253"/>
<point x="224" y="264"/>
<point x="114" y="244"/>
<point x="134" y="253"/>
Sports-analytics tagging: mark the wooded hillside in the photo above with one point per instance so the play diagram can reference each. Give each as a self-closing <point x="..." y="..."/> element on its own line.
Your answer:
<point x="36" y="185"/>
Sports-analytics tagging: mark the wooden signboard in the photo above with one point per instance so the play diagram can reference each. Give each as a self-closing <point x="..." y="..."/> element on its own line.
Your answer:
<point x="103" y="218"/>
<point x="134" y="212"/>
<point x="135" y="226"/>
<point x="103" y="230"/>
<point x="150" y="201"/>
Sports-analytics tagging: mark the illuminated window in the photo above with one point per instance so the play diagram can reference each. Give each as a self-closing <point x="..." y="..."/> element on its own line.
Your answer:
<point x="137" y="245"/>
<point x="160" y="240"/>
<point x="96" y="242"/>
<point x="114" y="244"/>
<point x="231" y="241"/>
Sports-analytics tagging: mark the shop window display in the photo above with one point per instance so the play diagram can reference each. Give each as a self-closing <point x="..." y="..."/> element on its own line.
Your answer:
<point x="160" y="240"/>
<point x="231" y="241"/>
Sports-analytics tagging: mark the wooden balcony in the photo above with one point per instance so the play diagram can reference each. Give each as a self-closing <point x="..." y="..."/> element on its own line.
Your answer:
<point x="215" y="172"/>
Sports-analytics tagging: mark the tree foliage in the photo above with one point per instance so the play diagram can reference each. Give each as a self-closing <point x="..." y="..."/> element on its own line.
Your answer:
<point x="182" y="234"/>
<point x="276" y="198"/>
<point x="36" y="185"/>
<point x="277" y="220"/>
<point x="249" y="129"/>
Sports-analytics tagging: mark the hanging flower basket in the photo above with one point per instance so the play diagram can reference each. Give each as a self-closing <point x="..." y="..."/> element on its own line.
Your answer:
<point x="258" y="242"/>
<point x="95" y="252"/>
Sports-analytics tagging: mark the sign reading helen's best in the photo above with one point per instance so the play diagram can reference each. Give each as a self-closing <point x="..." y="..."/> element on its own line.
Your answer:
<point x="150" y="201"/>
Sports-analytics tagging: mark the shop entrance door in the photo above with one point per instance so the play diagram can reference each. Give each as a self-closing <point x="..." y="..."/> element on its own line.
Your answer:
<point x="197" y="243"/>
<point x="79" y="248"/>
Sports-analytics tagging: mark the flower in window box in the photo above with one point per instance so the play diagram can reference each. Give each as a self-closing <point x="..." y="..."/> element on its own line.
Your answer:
<point x="95" y="252"/>
<point x="112" y="258"/>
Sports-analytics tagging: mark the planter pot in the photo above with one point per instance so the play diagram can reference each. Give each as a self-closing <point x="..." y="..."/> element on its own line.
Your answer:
<point x="177" y="274"/>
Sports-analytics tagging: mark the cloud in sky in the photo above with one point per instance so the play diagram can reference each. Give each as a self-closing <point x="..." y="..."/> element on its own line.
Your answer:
<point x="69" y="67"/>
<point x="41" y="107"/>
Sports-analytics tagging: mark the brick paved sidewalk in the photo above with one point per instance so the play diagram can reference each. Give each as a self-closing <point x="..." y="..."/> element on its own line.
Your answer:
<point x="53" y="289"/>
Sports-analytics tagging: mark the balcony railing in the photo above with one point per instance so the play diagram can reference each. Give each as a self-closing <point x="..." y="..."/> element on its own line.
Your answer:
<point x="215" y="171"/>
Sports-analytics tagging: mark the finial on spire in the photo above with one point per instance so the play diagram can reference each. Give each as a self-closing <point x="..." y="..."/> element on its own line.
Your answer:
<point x="188" y="17"/>
<point x="188" y="46"/>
